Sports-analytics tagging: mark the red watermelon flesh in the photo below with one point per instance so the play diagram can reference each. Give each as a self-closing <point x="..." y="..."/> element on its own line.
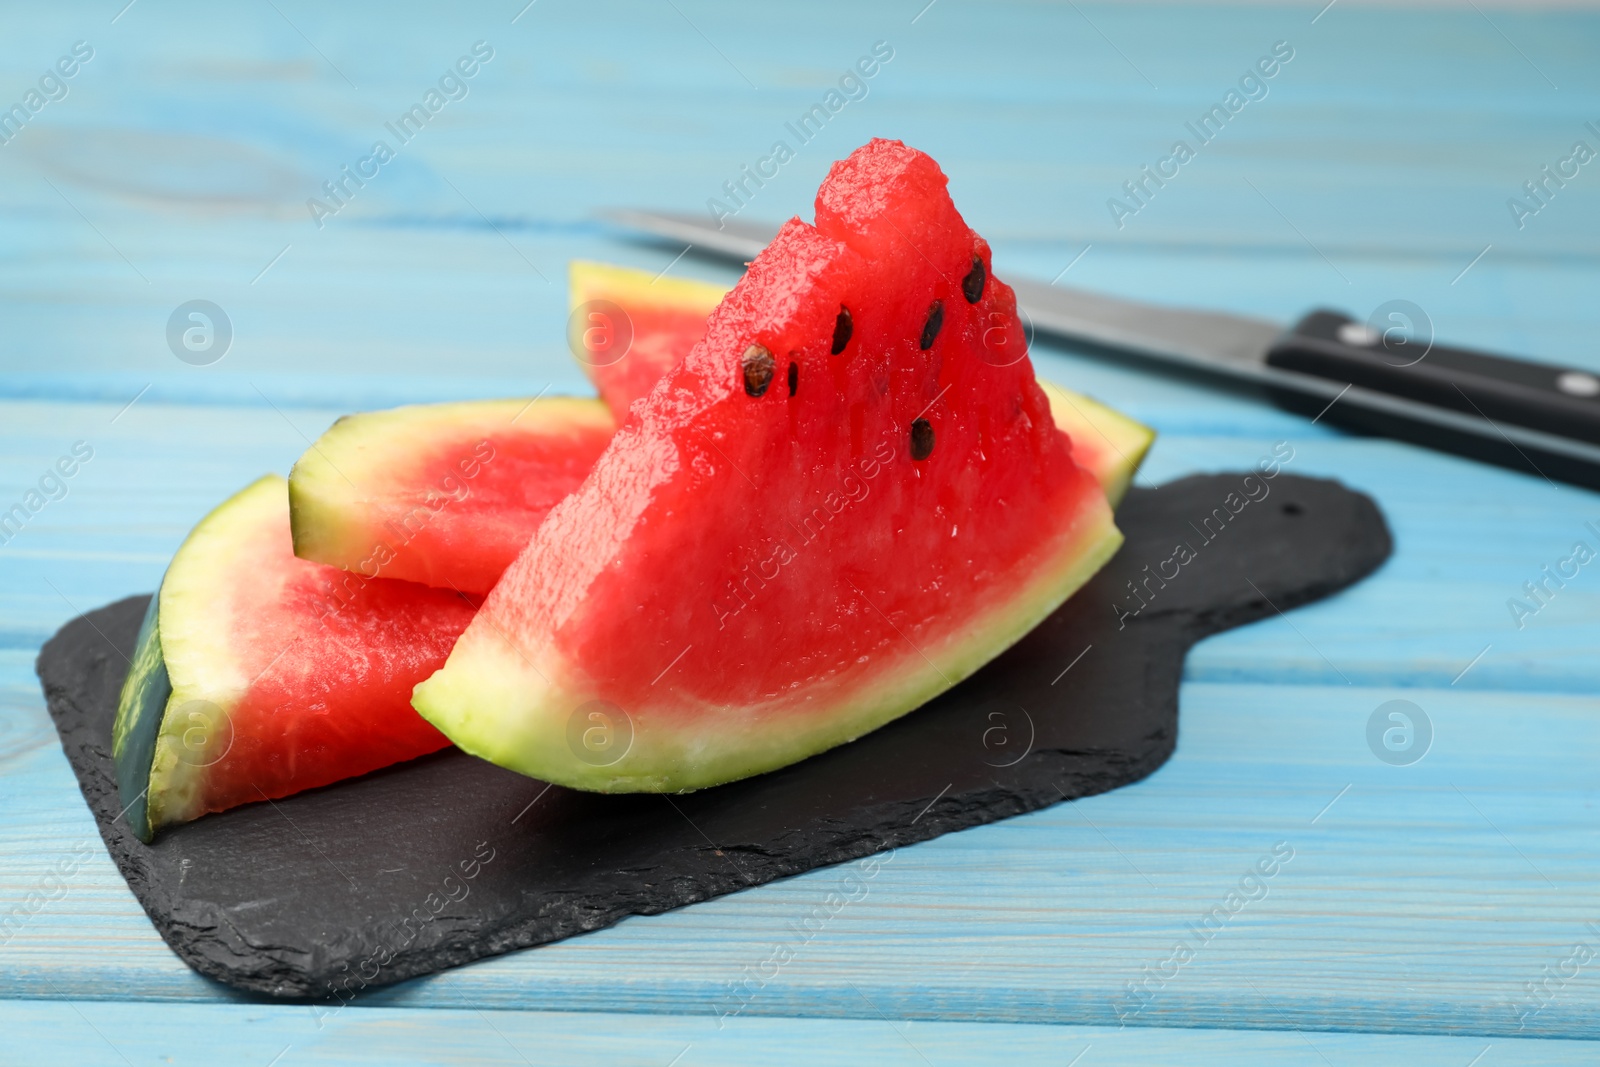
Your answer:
<point x="258" y="674"/>
<point x="785" y="547"/>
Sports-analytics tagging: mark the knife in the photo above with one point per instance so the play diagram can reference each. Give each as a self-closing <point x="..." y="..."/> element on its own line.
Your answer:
<point x="1537" y="418"/>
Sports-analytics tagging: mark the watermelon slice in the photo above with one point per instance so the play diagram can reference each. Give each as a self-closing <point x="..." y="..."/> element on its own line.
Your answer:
<point x="445" y="494"/>
<point x="837" y="506"/>
<point x="665" y="318"/>
<point x="258" y="675"/>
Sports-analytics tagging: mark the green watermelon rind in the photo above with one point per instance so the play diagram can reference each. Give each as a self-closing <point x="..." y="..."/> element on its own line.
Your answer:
<point x="497" y="704"/>
<point x="141" y="706"/>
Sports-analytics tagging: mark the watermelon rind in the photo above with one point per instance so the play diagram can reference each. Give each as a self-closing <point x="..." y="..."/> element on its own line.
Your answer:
<point x="140" y="709"/>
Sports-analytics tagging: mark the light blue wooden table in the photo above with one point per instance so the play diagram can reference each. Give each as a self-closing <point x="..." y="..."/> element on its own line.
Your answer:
<point x="1446" y="912"/>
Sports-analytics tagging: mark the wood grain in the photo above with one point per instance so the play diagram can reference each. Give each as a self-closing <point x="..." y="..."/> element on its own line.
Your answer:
<point x="95" y="1033"/>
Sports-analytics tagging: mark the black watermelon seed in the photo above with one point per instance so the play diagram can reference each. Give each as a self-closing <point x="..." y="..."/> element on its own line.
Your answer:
<point x="921" y="439"/>
<point x="972" y="284"/>
<point x="758" y="368"/>
<point x="842" y="328"/>
<point x="794" y="377"/>
<point x="930" y="329"/>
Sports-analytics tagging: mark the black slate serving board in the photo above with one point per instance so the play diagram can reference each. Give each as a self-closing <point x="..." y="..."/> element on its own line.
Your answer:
<point x="448" y="859"/>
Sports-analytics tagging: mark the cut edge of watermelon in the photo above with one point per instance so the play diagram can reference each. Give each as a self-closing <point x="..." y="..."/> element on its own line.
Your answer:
<point x="329" y="509"/>
<point x="1107" y="443"/>
<point x="523" y="723"/>
<point x="170" y="785"/>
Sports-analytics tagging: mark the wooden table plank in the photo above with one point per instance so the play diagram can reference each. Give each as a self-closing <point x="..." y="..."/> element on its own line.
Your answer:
<point x="92" y="1033"/>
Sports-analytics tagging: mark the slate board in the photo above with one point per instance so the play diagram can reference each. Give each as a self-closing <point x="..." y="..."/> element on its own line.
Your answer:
<point x="448" y="859"/>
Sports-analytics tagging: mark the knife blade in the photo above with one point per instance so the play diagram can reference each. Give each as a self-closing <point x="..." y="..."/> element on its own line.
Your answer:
<point x="1538" y="418"/>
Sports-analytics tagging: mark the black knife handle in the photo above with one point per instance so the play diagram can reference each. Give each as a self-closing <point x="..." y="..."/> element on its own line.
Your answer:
<point x="1540" y="396"/>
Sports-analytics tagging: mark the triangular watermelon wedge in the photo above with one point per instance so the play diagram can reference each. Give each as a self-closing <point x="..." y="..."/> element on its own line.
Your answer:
<point x="847" y="498"/>
<point x="257" y="674"/>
